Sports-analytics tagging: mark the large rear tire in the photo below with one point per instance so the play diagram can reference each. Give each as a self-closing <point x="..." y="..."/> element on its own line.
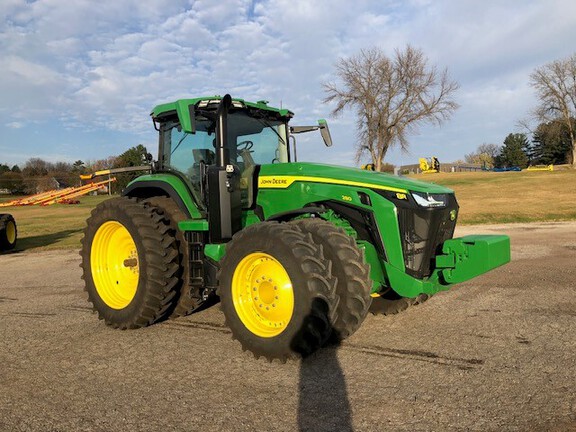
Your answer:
<point x="351" y="270"/>
<point x="130" y="263"/>
<point x="185" y="300"/>
<point x="8" y="232"/>
<point x="277" y="291"/>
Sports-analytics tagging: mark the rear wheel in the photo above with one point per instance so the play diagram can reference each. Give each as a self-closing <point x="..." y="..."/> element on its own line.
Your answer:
<point x="130" y="263"/>
<point x="351" y="271"/>
<point x="186" y="300"/>
<point x="8" y="232"/>
<point x="277" y="291"/>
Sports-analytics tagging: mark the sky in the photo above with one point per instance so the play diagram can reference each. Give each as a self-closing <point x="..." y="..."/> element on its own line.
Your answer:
<point x="78" y="79"/>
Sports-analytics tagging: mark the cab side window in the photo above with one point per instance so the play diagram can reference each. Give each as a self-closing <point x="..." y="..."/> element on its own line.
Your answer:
<point x="184" y="152"/>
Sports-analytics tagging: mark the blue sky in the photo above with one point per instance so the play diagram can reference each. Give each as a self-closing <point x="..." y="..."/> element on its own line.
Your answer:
<point x="78" y="78"/>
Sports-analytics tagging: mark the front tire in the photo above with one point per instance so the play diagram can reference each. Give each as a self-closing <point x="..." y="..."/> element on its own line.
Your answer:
<point x="130" y="263"/>
<point x="277" y="291"/>
<point x="391" y="303"/>
<point x="350" y="269"/>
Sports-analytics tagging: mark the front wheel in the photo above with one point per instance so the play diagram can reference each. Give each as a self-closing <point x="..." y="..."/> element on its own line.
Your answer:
<point x="277" y="291"/>
<point x="391" y="303"/>
<point x="350" y="269"/>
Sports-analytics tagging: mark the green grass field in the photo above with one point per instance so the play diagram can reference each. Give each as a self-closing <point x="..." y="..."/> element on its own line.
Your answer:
<point x="58" y="226"/>
<point x="484" y="197"/>
<point x="526" y="196"/>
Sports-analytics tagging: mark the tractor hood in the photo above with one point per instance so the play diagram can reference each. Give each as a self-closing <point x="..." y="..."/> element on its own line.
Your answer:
<point x="283" y="175"/>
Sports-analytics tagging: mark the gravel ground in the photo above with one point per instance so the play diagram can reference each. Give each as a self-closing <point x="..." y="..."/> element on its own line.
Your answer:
<point x="493" y="354"/>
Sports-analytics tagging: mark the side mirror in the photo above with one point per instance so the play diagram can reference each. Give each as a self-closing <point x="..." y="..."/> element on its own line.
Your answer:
<point x="325" y="132"/>
<point x="322" y="125"/>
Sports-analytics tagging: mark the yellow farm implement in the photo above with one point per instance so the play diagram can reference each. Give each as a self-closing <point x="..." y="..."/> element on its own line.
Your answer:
<point x="540" y="168"/>
<point x="429" y="166"/>
<point x="57" y="196"/>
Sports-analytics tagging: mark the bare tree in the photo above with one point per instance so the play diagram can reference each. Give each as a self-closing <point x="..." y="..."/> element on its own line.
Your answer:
<point x="491" y="150"/>
<point x="484" y="155"/>
<point x="101" y="164"/>
<point x="555" y="85"/>
<point x="391" y="97"/>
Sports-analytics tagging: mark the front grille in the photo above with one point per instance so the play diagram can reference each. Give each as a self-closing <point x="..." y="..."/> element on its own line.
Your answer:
<point x="423" y="231"/>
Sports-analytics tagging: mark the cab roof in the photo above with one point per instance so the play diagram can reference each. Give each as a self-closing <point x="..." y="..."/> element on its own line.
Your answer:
<point x="182" y="105"/>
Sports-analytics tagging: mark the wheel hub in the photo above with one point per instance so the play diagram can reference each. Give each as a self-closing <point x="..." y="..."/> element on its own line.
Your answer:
<point x="11" y="232"/>
<point x="114" y="264"/>
<point x="262" y="294"/>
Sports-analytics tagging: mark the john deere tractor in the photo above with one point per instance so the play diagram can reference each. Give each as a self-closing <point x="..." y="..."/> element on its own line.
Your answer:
<point x="8" y="232"/>
<point x="298" y="253"/>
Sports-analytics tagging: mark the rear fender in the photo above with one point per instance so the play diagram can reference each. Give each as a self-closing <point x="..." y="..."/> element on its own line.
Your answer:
<point x="151" y="185"/>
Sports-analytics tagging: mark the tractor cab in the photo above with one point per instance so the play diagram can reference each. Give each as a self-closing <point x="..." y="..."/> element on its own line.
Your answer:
<point x="191" y="142"/>
<point x="216" y="145"/>
<point x="255" y="134"/>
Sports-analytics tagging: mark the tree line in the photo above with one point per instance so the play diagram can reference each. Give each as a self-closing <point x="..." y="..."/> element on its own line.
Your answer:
<point x="38" y="175"/>
<point x="550" y="144"/>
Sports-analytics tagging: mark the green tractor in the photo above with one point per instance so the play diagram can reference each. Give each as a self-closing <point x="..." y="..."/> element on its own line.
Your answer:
<point x="298" y="253"/>
<point x="8" y="232"/>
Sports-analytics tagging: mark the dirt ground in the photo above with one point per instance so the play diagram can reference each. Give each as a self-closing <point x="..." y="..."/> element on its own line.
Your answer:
<point x="494" y="354"/>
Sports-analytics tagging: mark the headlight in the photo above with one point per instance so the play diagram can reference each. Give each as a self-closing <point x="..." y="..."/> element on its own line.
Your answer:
<point x="430" y="200"/>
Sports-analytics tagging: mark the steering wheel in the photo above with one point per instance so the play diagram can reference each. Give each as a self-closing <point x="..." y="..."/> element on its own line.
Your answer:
<point x="244" y="145"/>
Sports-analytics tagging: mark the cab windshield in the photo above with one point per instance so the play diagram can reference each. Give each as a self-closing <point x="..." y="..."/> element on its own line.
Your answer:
<point x="252" y="141"/>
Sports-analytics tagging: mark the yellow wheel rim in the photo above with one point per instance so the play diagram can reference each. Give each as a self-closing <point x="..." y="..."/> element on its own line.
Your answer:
<point x="114" y="264"/>
<point x="262" y="294"/>
<point x="11" y="232"/>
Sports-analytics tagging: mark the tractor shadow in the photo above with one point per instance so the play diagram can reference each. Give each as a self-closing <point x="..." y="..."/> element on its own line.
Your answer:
<point x="323" y="403"/>
<point x="31" y="242"/>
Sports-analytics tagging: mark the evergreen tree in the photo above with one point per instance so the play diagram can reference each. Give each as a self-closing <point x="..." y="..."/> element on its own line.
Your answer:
<point x="529" y="151"/>
<point x="512" y="153"/>
<point x="134" y="156"/>
<point x="551" y="143"/>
